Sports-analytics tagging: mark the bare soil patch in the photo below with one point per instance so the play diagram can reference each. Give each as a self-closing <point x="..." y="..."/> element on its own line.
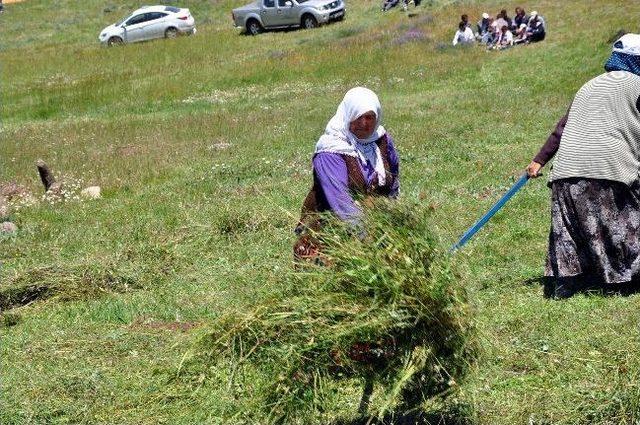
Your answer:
<point x="12" y="190"/>
<point x="147" y="323"/>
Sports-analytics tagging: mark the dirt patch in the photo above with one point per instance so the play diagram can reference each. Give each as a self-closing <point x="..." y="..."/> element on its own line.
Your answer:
<point x="485" y="193"/>
<point x="21" y="296"/>
<point x="12" y="190"/>
<point x="12" y="1"/>
<point x="413" y="34"/>
<point x="128" y="150"/>
<point x="219" y="145"/>
<point x="147" y="323"/>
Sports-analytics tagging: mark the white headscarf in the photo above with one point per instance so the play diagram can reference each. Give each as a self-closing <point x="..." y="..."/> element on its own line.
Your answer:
<point x="338" y="139"/>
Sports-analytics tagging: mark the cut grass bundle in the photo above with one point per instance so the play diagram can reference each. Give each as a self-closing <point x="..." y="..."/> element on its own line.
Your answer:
<point x="388" y="309"/>
<point x="69" y="282"/>
<point x="132" y="269"/>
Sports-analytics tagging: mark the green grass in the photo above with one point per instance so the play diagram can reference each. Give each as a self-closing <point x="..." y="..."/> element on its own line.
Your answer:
<point x="389" y="310"/>
<point x="202" y="148"/>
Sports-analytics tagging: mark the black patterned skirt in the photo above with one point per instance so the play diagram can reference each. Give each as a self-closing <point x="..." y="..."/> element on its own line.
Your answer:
<point x="595" y="230"/>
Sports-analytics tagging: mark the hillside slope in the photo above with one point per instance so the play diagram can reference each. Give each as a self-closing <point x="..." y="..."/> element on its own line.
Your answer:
<point x="202" y="146"/>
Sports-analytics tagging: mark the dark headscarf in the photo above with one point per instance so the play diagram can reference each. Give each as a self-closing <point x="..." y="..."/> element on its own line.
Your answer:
<point x="623" y="62"/>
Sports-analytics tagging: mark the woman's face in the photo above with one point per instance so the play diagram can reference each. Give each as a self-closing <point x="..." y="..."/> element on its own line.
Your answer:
<point x="363" y="126"/>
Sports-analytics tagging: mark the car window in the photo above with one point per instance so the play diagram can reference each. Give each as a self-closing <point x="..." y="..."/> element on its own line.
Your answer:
<point x="137" y="19"/>
<point x="281" y="3"/>
<point x="156" y="15"/>
<point x="269" y="3"/>
<point x="172" y="9"/>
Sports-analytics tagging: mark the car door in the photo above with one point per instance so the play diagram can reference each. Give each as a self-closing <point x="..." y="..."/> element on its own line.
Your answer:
<point x="284" y="13"/>
<point x="269" y="13"/>
<point x="156" y="25"/>
<point x="135" y="28"/>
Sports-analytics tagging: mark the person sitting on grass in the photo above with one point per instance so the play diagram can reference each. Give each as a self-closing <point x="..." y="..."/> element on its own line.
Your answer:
<point x="520" y="19"/>
<point x="505" y="38"/>
<point x="536" y="30"/>
<point x="354" y="159"/>
<point x="483" y="26"/>
<point x="498" y="23"/>
<point x="594" y="239"/>
<point x="521" y="34"/>
<point x="465" y="18"/>
<point x="508" y="20"/>
<point x="490" y="37"/>
<point x="464" y="35"/>
<point x="388" y="4"/>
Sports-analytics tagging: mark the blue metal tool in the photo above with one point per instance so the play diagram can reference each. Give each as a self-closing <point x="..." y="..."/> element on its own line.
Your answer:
<point x="494" y="209"/>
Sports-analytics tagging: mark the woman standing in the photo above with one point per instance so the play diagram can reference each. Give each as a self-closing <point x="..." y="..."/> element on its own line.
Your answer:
<point x="595" y="180"/>
<point x="354" y="159"/>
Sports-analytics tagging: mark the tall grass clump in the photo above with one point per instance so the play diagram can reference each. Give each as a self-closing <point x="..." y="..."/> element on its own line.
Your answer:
<point x="387" y="311"/>
<point x="132" y="269"/>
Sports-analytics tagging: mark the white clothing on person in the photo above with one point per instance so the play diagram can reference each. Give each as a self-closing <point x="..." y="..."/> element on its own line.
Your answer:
<point x="337" y="137"/>
<point x="505" y="39"/>
<point x="464" y="37"/>
<point x="498" y="23"/>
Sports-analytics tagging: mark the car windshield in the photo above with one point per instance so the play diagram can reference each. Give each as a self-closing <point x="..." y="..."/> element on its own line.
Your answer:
<point x="172" y="9"/>
<point x="121" y="21"/>
<point x="117" y="24"/>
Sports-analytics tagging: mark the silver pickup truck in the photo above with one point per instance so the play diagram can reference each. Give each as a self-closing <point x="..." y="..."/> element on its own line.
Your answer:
<point x="264" y="14"/>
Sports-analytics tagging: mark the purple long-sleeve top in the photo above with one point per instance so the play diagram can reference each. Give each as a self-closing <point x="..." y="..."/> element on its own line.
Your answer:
<point x="552" y="144"/>
<point x="331" y="171"/>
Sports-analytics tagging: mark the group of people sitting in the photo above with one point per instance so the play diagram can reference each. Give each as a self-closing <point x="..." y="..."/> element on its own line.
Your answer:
<point x="502" y="31"/>
<point x="389" y="4"/>
<point x="595" y="181"/>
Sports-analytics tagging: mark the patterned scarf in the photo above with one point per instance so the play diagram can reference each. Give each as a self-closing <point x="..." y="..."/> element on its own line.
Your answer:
<point x="623" y="62"/>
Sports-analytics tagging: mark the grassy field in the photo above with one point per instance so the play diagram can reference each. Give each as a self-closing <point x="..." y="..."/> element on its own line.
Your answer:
<point x="202" y="148"/>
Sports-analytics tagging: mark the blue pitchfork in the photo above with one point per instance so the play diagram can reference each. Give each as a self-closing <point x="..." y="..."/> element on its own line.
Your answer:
<point x="494" y="209"/>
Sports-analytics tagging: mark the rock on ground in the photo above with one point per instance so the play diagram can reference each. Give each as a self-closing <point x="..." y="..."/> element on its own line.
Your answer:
<point x="4" y="207"/>
<point x="91" y="192"/>
<point x="12" y="190"/>
<point x="8" y="227"/>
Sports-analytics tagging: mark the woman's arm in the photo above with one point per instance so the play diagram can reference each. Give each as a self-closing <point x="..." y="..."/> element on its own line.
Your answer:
<point x="331" y="171"/>
<point x="549" y="149"/>
<point x="394" y="167"/>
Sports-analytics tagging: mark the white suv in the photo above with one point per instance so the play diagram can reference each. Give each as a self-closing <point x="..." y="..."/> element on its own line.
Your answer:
<point x="149" y="22"/>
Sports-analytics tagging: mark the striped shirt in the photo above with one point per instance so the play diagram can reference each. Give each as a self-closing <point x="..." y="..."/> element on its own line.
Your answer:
<point x="601" y="139"/>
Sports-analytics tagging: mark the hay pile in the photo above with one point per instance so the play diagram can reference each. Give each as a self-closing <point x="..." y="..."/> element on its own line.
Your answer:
<point x="388" y="309"/>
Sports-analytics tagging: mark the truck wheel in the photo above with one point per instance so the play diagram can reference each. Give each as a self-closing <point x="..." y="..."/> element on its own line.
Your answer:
<point x="309" y="21"/>
<point x="253" y="27"/>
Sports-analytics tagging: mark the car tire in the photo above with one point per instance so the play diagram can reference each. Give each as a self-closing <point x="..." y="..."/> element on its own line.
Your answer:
<point x="253" y="27"/>
<point x="170" y="32"/>
<point x="114" y="41"/>
<point x="309" y="21"/>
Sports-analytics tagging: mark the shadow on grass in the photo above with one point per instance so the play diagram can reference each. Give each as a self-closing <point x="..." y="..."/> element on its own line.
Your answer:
<point x="289" y="29"/>
<point x="413" y="418"/>
<point x="21" y="296"/>
<point x="567" y="287"/>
